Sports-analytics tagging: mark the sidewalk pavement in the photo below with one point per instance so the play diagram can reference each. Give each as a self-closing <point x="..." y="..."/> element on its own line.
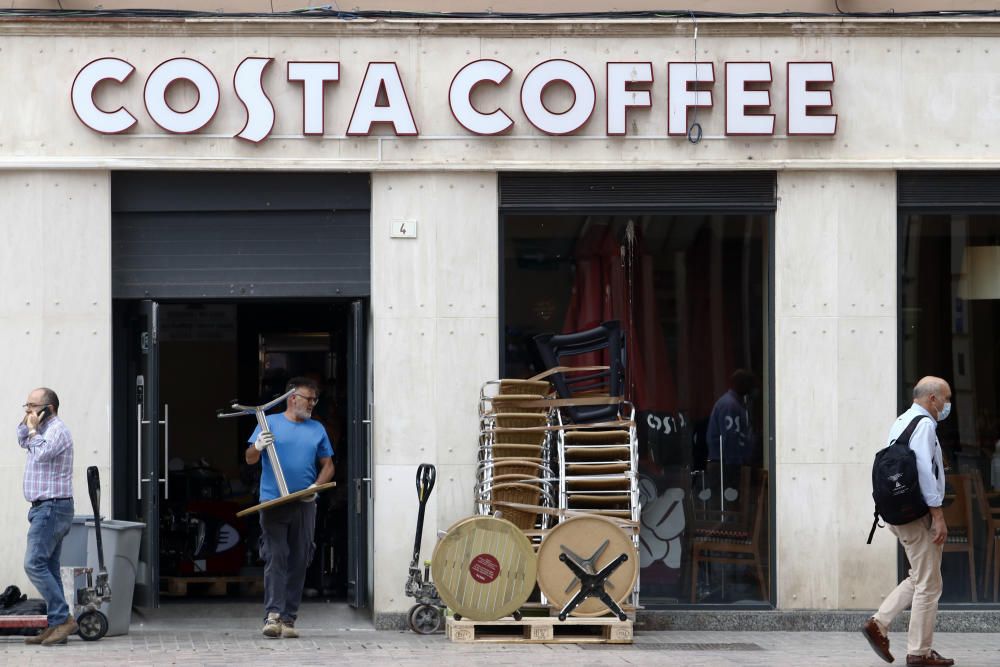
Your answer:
<point x="229" y="635"/>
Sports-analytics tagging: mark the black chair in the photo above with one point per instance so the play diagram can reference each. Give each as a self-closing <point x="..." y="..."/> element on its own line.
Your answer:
<point x="567" y="349"/>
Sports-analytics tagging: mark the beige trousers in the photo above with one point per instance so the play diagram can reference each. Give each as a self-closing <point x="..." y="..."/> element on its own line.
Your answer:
<point x="921" y="589"/>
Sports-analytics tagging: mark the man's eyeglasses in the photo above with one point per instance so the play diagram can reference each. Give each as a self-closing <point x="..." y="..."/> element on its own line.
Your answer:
<point x="313" y="400"/>
<point x="35" y="406"/>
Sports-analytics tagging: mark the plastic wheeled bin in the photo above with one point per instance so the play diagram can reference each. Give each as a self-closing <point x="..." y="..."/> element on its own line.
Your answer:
<point x="74" y="545"/>
<point x="121" y="556"/>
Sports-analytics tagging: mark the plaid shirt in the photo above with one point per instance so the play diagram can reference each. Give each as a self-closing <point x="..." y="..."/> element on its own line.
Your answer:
<point x="49" y="471"/>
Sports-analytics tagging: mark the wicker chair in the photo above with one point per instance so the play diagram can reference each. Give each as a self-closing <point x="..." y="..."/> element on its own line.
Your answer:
<point x="733" y="544"/>
<point x="958" y="518"/>
<point x="991" y="519"/>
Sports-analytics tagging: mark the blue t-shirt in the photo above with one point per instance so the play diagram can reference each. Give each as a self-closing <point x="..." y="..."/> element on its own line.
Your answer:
<point x="299" y="446"/>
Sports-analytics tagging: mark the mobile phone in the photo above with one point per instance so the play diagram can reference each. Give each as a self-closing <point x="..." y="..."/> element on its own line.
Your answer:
<point x="42" y="414"/>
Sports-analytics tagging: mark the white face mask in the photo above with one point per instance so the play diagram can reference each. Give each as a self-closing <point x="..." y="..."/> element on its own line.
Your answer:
<point x="945" y="411"/>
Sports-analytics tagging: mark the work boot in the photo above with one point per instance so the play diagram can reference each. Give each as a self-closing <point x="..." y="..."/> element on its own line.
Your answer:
<point x="288" y="630"/>
<point x="40" y="637"/>
<point x="61" y="632"/>
<point x="272" y="626"/>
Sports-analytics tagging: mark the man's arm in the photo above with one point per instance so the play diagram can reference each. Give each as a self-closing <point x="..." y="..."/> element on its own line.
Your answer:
<point x="23" y="436"/>
<point x="49" y="446"/>
<point x="923" y="442"/>
<point x="325" y="470"/>
<point x="263" y="441"/>
<point x="251" y="455"/>
<point x="939" y="530"/>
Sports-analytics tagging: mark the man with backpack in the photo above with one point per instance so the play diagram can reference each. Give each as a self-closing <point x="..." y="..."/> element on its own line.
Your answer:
<point x="922" y="538"/>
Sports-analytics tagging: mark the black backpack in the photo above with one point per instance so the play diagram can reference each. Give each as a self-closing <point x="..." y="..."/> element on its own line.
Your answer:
<point x="895" y="485"/>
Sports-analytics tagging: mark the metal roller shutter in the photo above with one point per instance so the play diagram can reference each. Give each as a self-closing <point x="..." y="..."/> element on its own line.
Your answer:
<point x="232" y="235"/>
<point x="649" y="191"/>
<point x="953" y="191"/>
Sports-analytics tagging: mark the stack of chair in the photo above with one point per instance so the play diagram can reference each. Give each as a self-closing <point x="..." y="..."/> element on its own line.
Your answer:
<point x="515" y="468"/>
<point x="598" y="468"/>
<point x="596" y="443"/>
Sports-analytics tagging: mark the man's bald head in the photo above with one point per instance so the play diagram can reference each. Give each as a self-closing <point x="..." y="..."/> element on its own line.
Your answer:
<point x="930" y="385"/>
<point x="931" y="393"/>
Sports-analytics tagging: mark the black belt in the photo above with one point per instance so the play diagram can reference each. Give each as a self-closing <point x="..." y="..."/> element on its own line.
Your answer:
<point x="36" y="503"/>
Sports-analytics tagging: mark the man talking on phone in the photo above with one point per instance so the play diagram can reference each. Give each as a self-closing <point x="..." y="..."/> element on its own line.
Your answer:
<point x="48" y="486"/>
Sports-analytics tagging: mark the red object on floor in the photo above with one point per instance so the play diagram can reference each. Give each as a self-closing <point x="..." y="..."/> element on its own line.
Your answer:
<point x="24" y="622"/>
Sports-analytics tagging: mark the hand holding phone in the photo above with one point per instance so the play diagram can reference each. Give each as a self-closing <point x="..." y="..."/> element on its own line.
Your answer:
<point x="33" y="419"/>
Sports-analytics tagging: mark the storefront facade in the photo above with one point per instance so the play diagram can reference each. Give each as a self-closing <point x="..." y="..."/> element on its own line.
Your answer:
<point x="772" y="239"/>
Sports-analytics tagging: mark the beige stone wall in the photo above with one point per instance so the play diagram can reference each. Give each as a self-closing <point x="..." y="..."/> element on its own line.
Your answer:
<point x="435" y="328"/>
<point x="909" y="96"/>
<point x="835" y="383"/>
<point x="55" y="330"/>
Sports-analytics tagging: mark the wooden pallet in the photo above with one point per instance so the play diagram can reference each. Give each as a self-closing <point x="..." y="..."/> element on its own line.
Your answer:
<point x="542" y="630"/>
<point x="213" y="586"/>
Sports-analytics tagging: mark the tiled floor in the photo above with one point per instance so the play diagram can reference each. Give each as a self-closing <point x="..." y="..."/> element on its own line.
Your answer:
<point x="229" y="636"/>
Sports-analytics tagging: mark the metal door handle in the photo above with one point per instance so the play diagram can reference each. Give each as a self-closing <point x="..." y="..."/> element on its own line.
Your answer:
<point x="165" y="423"/>
<point x="138" y="444"/>
<point x="357" y="492"/>
<point x="166" y="451"/>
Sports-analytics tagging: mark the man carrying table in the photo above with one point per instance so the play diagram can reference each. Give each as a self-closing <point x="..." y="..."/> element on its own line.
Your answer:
<point x="306" y="459"/>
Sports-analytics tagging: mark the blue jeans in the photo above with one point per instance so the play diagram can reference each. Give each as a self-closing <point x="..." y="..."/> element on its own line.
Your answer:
<point x="50" y="522"/>
<point x="287" y="549"/>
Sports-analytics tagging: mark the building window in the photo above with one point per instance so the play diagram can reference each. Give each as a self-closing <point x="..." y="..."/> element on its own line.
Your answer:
<point x="691" y="292"/>
<point x="950" y="313"/>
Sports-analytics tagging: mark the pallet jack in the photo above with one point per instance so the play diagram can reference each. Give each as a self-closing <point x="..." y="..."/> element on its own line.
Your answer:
<point x="426" y="615"/>
<point x="85" y="602"/>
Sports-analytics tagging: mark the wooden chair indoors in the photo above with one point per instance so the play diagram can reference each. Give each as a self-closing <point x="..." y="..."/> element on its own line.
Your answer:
<point x="991" y="536"/>
<point x="706" y="518"/>
<point x="721" y="540"/>
<point x="957" y="510"/>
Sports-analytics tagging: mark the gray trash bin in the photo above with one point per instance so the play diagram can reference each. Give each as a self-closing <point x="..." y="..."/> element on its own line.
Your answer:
<point x="74" y="545"/>
<point x="121" y="556"/>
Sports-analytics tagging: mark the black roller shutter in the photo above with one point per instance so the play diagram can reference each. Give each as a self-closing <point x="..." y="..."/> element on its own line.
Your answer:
<point x="231" y="235"/>
<point x="631" y="191"/>
<point x="953" y="191"/>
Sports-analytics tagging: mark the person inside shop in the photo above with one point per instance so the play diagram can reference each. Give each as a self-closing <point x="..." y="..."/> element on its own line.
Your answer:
<point x="730" y="439"/>
<point x="48" y="486"/>
<point x="923" y="539"/>
<point x="306" y="456"/>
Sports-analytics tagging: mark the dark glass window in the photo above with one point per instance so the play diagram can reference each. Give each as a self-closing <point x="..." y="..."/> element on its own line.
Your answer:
<point x="691" y="293"/>
<point x="950" y="316"/>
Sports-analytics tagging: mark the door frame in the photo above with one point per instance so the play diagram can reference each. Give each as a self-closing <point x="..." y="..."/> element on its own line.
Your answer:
<point x="126" y="362"/>
<point x="359" y="439"/>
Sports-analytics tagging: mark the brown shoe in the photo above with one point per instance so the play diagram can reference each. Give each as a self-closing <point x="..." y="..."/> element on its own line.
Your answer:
<point x="932" y="659"/>
<point x="61" y="632"/>
<point x="40" y="637"/>
<point x="878" y="641"/>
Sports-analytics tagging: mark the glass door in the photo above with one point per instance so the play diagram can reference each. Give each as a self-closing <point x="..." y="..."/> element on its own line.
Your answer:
<point x="152" y="449"/>
<point x="359" y="424"/>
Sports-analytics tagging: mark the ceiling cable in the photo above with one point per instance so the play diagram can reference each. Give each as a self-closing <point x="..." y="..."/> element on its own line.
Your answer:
<point x="694" y="132"/>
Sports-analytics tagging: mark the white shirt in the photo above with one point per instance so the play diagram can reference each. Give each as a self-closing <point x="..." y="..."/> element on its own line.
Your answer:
<point x="924" y="443"/>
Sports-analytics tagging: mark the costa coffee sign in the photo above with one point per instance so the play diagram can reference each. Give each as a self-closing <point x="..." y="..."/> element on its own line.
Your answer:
<point x="382" y="98"/>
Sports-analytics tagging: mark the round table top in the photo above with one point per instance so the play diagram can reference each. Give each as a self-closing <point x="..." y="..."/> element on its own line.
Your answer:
<point x="484" y="568"/>
<point x="593" y="541"/>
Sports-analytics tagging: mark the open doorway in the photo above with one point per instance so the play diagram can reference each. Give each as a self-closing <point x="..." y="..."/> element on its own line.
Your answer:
<point x="205" y="354"/>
